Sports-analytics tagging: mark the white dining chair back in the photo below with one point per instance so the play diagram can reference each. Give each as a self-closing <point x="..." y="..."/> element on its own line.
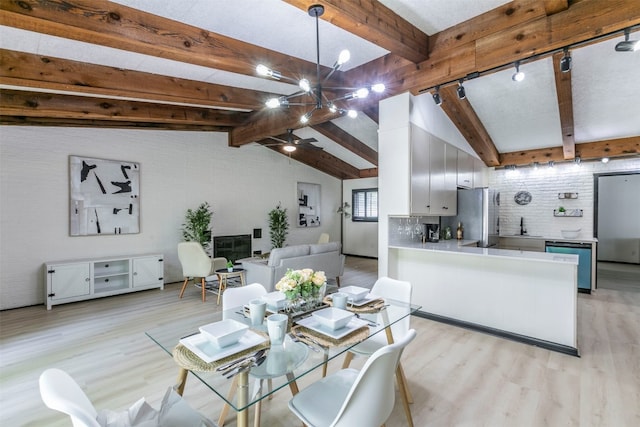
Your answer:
<point x="353" y="398"/>
<point x="398" y="290"/>
<point x="235" y="297"/>
<point x="60" y="392"/>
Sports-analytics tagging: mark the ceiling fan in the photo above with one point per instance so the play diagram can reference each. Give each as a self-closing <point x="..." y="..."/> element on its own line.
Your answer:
<point x="291" y="143"/>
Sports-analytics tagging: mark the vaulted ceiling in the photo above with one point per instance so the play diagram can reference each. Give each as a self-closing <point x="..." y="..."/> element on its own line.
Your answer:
<point x="191" y="66"/>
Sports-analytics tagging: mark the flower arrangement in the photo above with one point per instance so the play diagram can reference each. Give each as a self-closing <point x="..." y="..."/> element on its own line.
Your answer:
<point x="301" y="283"/>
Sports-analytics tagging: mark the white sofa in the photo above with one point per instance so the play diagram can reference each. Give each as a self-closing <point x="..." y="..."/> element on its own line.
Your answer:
<point x="321" y="256"/>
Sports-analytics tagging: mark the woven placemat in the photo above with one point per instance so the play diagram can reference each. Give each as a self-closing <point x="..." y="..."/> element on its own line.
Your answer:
<point x="187" y="359"/>
<point x="354" y="337"/>
<point x="374" y="306"/>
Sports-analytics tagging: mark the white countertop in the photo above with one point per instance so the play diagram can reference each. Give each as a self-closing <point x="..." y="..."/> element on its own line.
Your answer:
<point x="457" y="247"/>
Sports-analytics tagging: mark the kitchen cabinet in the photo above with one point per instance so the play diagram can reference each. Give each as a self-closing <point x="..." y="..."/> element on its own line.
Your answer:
<point x="77" y="280"/>
<point x="480" y="174"/>
<point x="433" y="175"/>
<point x="465" y="170"/>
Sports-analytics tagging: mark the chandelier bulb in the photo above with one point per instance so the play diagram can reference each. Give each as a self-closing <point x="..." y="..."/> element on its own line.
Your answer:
<point x="352" y="114"/>
<point x="344" y="56"/>
<point x="361" y="93"/>
<point x="332" y="107"/>
<point x="305" y="118"/>
<point x="273" y="103"/>
<point x="378" y="87"/>
<point x="305" y="85"/>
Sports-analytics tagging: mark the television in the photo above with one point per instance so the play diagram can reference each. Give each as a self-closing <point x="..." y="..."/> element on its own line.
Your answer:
<point x="232" y="248"/>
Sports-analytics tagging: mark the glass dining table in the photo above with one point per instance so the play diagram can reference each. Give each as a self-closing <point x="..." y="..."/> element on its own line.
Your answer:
<point x="308" y="346"/>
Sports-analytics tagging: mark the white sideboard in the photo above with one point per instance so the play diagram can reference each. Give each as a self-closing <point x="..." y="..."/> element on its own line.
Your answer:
<point x="76" y="280"/>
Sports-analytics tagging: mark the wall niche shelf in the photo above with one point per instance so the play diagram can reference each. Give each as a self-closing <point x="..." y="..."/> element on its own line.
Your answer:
<point x="568" y="212"/>
<point x="567" y="195"/>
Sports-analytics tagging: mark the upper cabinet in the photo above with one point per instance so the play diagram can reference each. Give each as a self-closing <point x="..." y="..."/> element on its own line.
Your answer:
<point x="433" y="175"/>
<point x="480" y="174"/>
<point x="465" y="169"/>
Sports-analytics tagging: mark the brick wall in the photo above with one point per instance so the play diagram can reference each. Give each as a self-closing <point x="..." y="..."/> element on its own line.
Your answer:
<point x="544" y="184"/>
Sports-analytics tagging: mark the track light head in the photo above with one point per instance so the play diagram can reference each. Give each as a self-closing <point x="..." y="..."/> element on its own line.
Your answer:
<point x="565" y="62"/>
<point x="436" y="96"/>
<point x="460" y="90"/>
<point x="518" y="76"/>
<point x="628" y="45"/>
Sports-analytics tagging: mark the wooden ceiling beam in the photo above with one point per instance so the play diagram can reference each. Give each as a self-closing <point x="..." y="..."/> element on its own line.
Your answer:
<point x="18" y="103"/>
<point x="46" y="72"/>
<point x="565" y="107"/>
<point x="110" y="24"/>
<point x="461" y="113"/>
<point x="554" y="6"/>
<point x="346" y="140"/>
<point x="318" y="159"/>
<point x="622" y="147"/>
<point x="502" y="36"/>
<point x="375" y="22"/>
<point x="112" y="124"/>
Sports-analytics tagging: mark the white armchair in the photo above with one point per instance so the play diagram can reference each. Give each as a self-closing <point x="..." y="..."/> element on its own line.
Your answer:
<point x="196" y="264"/>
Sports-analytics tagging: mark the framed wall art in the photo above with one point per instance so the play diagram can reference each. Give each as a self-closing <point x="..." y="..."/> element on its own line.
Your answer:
<point x="104" y="196"/>
<point x="308" y="205"/>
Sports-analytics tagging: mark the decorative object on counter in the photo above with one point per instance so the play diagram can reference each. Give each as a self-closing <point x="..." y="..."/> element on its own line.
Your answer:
<point x="570" y="234"/>
<point x="567" y="195"/>
<point x="569" y="213"/>
<point x="303" y="288"/>
<point x="447" y="233"/>
<point x="460" y="231"/>
<point x="523" y="198"/>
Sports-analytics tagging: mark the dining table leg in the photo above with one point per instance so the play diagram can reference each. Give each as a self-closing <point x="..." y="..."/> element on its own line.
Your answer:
<point x="182" y="381"/>
<point x="225" y="407"/>
<point x="243" y="398"/>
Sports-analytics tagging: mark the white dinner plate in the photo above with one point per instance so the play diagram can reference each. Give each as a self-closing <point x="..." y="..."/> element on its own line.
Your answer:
<point x="314" y="325"/>
<point x="209" y="352"/>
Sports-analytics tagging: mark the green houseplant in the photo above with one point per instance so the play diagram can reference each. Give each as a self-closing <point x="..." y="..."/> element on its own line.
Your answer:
<point x="278" y="226"/>
<point x="197" y="225"/>
<point x="229" y="266"/>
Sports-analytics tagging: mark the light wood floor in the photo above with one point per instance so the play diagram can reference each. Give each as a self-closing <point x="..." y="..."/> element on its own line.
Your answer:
<point x="458" y="377"/>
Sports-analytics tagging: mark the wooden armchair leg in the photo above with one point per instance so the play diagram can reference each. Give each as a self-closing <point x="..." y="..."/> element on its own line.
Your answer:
<point x="184" y="285"/>
<point x="204" y="290"/>
<point x="338" y="280"/>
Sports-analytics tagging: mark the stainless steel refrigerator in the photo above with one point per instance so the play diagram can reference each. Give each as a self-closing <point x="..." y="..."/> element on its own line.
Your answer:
<point x="478" y="212"/>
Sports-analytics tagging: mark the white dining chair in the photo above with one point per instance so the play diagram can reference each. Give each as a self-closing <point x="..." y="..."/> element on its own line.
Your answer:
<point x="399" y="290"/>
<point x="350" y="397"/>
<point x="237" y="297"/>
<point x="59" y="391"/>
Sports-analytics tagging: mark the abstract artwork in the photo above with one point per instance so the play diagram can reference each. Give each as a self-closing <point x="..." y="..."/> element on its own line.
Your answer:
<point x="104" y="196"/>
<point x="308" y="205"/>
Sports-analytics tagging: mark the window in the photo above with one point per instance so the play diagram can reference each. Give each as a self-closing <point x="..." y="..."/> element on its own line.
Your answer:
<point x="365" y="205"/>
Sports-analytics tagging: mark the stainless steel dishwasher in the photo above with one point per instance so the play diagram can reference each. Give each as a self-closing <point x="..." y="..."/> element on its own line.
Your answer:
<point x="583" y="250"/>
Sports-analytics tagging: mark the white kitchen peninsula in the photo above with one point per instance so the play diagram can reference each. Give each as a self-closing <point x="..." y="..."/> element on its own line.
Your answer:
<point x="528" y="296"/>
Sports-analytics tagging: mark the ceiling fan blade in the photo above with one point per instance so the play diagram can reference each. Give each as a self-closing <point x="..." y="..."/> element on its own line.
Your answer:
<point x="304" y="141"/>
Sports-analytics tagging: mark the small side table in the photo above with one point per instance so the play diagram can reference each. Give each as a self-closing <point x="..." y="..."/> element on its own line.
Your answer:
<point x="224" y="274"/>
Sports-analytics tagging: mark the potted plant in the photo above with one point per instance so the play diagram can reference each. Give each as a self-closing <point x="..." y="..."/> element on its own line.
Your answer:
<point x="562" y="210"/>
<point x="230" y="266"/>
<point x="278" y="226"/>
<point x="197" y="225"/>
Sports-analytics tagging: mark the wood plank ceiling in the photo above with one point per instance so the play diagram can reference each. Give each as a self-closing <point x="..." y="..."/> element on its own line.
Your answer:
<point x="83" y="94"/>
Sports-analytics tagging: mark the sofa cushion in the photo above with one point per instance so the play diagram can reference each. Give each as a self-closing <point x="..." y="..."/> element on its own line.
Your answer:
<point x="320" y="248"/>
<point x="278" y="254"/>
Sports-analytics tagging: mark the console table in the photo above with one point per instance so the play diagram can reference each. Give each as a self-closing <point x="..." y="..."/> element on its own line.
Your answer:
<point x="77" y="280"/>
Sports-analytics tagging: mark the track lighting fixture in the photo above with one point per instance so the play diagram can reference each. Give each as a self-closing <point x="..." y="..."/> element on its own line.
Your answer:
<point x="565" y="62"/>
<point x="605" y="160"/>
<point x="461" y="93"/>
<point x="312" y="91"/>
<point x="551" y="163"/>
<point x="628" y="45"/>
<point x="518" y="76"/>
<point x="436" y="96"/>
<point x="577" y="161"/>
<point x="535" y="166"/>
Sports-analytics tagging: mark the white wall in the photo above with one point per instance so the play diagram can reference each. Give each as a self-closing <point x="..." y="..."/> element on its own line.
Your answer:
<point x="360" y="238"/>
<point x="544" y="186"/>
<point x="179" y="170"/>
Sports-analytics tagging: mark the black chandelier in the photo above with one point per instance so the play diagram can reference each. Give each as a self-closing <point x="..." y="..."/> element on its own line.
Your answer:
<point x="318" y="98"/>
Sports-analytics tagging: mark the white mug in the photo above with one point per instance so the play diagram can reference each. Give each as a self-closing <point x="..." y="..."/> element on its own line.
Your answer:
<point x="277" y="327"/>
<point x="339" y="300"/>
<point x="257" y="310"/>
